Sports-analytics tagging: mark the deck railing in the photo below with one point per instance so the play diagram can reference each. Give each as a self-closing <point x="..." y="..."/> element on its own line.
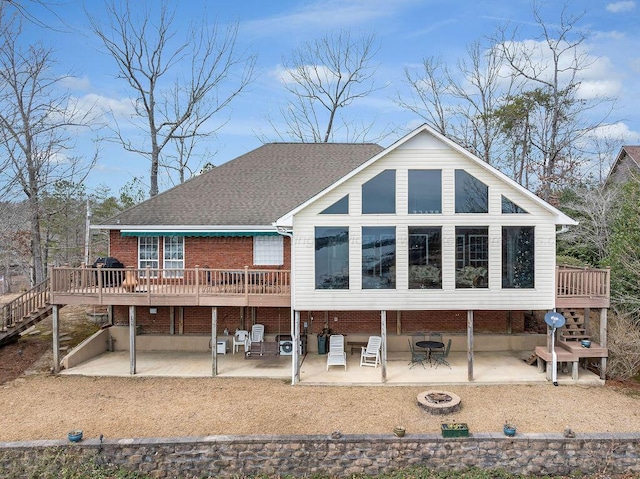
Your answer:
<point x="582" y="283"/>
<point x="18" y="309"/>
<point x="169" y="281"/>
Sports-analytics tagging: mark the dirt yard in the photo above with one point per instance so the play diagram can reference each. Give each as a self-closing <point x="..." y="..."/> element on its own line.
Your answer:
<point x="38" y="405"/>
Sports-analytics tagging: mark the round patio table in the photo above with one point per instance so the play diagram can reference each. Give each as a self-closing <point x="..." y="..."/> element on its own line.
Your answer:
<point x="430" y="346"/>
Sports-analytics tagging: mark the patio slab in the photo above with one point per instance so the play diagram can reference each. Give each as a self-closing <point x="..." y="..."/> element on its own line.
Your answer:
<point x="501" y="367"/>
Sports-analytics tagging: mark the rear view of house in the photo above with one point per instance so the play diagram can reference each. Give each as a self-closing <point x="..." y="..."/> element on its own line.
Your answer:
<point x="314" y="239"/>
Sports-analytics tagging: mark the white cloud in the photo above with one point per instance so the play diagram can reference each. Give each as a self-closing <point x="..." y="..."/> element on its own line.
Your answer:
<point x="624" y="6"/>
<point x="326" y="14"/>
<point x="76" y="83"/>
<point x="593" y="89"/>
<point x="119" y="107"/>
<point x="596" y="74"/>
<point x="286" y="75"/>
<point x="618" y="130"/>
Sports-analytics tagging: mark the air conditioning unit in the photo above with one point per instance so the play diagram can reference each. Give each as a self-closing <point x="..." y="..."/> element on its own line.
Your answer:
<point x="286" y="348"/>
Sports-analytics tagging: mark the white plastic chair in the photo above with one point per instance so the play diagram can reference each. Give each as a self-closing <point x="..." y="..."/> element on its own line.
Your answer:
<point x="241" y="338"/>
<point x="370" y="355"/>
<point x="336" y="355"/>
<point x="257" y="333"/>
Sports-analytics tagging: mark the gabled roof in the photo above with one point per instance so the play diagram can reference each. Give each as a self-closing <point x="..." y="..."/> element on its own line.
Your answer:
<point x="630" y="156"/>
<point x="560" y="218"/>
<point x="251" y="190"/>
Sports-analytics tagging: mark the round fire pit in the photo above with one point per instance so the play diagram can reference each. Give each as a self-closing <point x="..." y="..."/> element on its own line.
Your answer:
<point x="439" y="402"/>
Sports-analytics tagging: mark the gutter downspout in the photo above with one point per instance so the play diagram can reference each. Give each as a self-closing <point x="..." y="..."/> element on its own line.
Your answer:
<point x="295" y="327"/>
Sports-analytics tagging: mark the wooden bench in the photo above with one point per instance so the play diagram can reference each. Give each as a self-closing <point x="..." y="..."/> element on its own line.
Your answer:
<point x="562" y="356"/>
<point x="263" y="350"/>
<point x="356" y="346"/>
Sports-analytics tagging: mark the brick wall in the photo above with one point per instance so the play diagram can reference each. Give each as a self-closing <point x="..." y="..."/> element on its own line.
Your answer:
<point x="197" y="320"/>
<point x="604" y="455"/>
<point x="214" y="252"/>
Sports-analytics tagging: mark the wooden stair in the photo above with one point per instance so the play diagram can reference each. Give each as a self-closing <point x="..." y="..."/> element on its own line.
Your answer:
<point x="574" y="328"/>
<point x="12" y="333"/>
<point x="23" y="312"/>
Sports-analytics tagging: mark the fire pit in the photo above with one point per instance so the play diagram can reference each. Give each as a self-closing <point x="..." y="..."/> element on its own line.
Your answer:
<point x="439" y="402"/>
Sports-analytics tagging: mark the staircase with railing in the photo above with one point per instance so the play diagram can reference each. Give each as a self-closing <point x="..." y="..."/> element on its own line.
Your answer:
<point x="23" y="312"/>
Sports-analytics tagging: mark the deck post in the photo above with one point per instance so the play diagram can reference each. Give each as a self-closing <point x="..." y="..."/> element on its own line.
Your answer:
<point x="214" y="341"/>
<point x="197" y="273"/>
<point x="383" y="353"/>
<point x="603" y="341"/>
<point x="132" y="340"/>
<point x="296" y="347"/>
<point x="56" y="338"/>
<point x="246" y="285"/>
<point x="172" y="320"/>
<point x="470" y="345"/>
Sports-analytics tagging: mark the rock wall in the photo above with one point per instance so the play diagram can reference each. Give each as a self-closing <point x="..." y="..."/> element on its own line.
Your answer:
<point x="228" y="456"/>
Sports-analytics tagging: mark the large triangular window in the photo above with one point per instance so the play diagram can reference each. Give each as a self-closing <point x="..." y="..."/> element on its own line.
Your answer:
<point x="509" y="207"/>
<point x="379" y="194"/>
<point x="340" y="207"/>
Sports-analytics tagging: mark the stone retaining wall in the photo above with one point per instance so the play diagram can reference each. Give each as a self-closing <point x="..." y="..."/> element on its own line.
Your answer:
<point x="226" y="456"/>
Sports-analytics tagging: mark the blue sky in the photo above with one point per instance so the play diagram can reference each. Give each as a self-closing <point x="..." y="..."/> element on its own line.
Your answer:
<point x="407" y="31"/>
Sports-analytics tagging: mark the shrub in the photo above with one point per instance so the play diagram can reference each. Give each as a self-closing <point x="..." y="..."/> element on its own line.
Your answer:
<point x="623" y="342"/>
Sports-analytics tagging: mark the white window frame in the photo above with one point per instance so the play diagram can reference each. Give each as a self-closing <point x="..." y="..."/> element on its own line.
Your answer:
<point x="268" y="250"/>
<point x="150" y="262"/>
<point x="173" y="256"/>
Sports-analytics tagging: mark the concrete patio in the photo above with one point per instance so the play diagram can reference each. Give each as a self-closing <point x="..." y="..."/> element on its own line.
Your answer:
<point x="496" y="367"/>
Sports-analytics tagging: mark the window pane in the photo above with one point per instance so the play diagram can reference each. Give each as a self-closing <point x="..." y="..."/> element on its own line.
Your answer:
<point x="379" y="194"/>
<point x="268" y="250"/>
<point x="332" y="258"/>
<point x="425" y="258"/>
<point x="379" y="257"/>
<point x="340" y="207"/>
<point x="425" y="191"/>
<point x="509" y="207"/>
<point x="518" y="259"/>
<point x="148" y="254"/>
<point x="173" y="256"/>
<point x="472" y="195"/>
<point x="472" y="257"/>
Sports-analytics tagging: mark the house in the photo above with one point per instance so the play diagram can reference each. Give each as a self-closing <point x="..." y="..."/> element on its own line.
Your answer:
<point x="627" y="163"/>
<point x="307" y="239"/>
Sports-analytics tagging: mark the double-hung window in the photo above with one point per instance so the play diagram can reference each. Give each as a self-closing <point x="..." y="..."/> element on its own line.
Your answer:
<point x="173" y="256"/>
<point x="149" y="254"/>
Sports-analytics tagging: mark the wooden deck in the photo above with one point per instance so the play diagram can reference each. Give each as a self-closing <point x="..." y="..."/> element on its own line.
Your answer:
<point x="162" y="287"/>
<point x="582" y="287"/>
<point x="575" y="287"/>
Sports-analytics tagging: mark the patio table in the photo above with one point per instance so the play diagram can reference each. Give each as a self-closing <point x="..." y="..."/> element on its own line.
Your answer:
<point x="430" y="346"/>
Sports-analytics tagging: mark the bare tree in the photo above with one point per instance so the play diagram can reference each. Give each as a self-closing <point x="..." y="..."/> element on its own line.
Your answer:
<point x="150" y="60"/>
<point x="37" y="117"/>
<point x="553" y="66"/>
<point x="323" y="77"/>
<point x="459" y="102"/>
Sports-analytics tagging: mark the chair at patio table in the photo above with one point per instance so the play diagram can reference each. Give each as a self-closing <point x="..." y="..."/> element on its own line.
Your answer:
<point x="440" y="356"/>
<point x="417" y="357"/>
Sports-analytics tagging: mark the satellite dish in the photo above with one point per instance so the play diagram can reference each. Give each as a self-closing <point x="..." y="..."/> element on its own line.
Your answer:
<point x="554" y="319"/>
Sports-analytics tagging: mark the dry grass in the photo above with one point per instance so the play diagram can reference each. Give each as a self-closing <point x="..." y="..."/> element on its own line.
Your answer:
<point x="42" y="406"/>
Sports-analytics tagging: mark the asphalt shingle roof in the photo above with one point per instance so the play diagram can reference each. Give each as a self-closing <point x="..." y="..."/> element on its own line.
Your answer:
<point x="253" y="189"/>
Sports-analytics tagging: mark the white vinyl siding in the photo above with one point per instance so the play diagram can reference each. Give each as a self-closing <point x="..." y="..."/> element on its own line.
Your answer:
<point x="268" y="251"/>
<point x="448" y="297"/>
